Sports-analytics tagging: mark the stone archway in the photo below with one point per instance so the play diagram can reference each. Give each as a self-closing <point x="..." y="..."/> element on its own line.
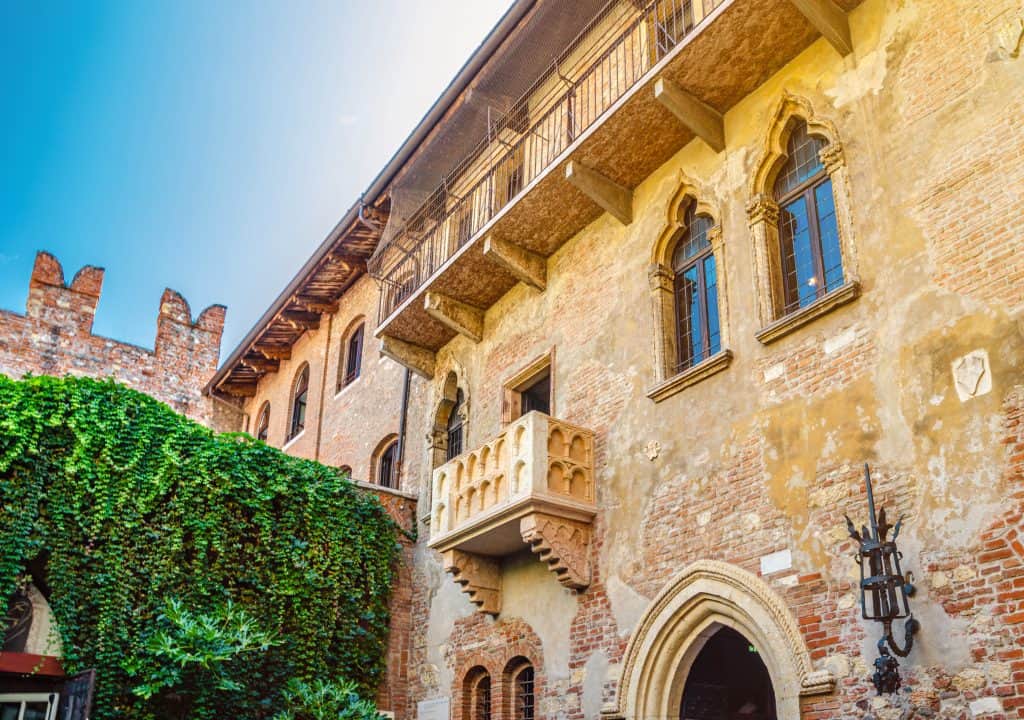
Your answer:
<point x="705" y="597"/>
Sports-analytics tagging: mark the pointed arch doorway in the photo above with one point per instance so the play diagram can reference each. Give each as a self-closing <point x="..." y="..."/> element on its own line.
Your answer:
<point x="727" y="680"/>
<point x="703" y="620"/>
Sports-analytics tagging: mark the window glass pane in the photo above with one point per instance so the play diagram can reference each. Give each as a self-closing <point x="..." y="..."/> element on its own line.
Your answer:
<point x="831" y="257"/>
<point x="694" y="239"/>
<point x="354" y="355"/>
<point x="802" y="161"/>
<point x="10" y="710"/>
<point x="524" y="705"/>
<point x="711" y="302"/>
<point x="36" y="711"/>
<point x="799" y="280"/>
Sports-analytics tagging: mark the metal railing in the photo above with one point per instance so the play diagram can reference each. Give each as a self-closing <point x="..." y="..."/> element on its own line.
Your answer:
<point x="608" y="63"/>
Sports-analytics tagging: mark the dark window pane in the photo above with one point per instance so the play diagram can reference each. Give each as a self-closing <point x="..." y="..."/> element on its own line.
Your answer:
<point x="690" y="297"/>
<point x="828" y="231"/>
<point x="694" y="239"/>
<point x="263" y="426"/>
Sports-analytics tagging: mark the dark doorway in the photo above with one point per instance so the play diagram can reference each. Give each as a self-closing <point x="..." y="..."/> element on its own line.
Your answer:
<point x="728" y="681"/>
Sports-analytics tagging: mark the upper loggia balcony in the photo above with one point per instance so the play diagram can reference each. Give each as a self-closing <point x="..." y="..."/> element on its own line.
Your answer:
<point x="530" y="486"/>
<point x="636" y="86"/>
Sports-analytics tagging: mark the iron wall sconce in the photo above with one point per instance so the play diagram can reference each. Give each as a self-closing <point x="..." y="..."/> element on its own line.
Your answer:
<point x="884" y="590"/>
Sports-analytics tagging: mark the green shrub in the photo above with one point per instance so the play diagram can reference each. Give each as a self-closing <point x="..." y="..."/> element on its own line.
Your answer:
<point x="325" y="700"/>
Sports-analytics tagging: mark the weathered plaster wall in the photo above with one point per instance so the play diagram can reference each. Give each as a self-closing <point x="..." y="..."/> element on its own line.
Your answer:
<point x="766" y="456"/>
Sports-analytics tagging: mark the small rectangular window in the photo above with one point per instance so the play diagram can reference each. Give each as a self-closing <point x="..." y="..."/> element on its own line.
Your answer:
<point x="530" y="390"/>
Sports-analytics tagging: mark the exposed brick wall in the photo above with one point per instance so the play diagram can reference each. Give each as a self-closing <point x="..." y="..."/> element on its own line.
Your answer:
<point x="479" y="642"/>
<point x="54" y="337"/>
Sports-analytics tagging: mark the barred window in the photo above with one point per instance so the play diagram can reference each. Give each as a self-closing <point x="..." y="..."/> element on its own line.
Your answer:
<point x="300" y="393"/>
<point x="480" y="703"/>
<point x="523" y="689"/>
<point x="698" y="333"/>
<point x="812" y="264"/>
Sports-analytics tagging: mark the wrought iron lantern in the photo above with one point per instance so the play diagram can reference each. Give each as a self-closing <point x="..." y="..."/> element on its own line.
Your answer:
<point x="884" y="590"/>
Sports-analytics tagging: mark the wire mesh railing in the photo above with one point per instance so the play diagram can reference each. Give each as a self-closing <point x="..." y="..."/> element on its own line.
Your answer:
<point x="592" y="74"/>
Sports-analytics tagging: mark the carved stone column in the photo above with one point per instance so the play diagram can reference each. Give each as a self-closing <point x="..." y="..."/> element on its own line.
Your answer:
<point x="763" y="219"/>
<point x="663" y="312"/>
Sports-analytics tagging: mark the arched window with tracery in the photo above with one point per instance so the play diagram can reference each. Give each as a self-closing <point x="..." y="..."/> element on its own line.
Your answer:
<point x="695" y="289"/>
<point x="263" y="422"/>
<point x="300" y="398"/>
<point x="812" y="260"/>
<point x="801" y="222"/>
<point x="689" y="297"/>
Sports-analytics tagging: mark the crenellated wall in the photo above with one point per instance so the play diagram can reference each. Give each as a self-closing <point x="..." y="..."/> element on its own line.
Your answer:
<point x="54" y="337"/>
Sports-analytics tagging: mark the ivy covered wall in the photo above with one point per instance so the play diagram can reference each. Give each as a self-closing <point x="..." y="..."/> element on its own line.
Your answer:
<point x="118" y="506"/>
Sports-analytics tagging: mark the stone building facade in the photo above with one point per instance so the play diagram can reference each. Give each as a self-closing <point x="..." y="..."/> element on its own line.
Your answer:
<point x="54" y="337"/>
<point x="645" y="364"/>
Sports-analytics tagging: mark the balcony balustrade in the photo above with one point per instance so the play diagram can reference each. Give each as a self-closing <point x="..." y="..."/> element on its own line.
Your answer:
<point x="531" y="486"/>
<point x="635" y="87"/>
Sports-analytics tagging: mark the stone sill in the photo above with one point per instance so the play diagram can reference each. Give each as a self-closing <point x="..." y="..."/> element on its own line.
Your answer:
<point x="294" y="439"/>
<point x="822" y="306"/>
<point x="691" y="376"/>
<point x="386" y="490"/>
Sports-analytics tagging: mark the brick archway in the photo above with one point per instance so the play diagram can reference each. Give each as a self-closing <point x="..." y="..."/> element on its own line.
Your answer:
<point x="706" y="596"/>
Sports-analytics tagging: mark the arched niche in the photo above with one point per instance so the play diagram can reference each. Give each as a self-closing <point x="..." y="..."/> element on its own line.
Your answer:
<point x="706" y="596"/>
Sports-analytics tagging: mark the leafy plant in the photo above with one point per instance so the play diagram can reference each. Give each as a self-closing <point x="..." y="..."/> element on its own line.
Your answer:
<point x="116" y="503"/>
<point x="193" y="656"/>
<point x="325" y="700"/>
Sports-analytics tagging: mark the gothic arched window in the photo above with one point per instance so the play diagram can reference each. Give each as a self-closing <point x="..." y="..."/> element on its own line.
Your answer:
<point x="300" y="396"/>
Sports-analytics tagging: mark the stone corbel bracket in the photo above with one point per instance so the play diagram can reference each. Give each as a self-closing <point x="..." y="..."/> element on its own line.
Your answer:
<point x="563" y="544"/>
<point x="479" y="576"/>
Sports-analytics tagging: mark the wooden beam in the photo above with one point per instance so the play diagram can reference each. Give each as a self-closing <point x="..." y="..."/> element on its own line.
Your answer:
<point x="611" y="196"/>
<point x="301" y="320"/>
<point x="830" y="21"/>
<point x="460" y="317"/>
<point x="274" y="352"/>
<point x="705" y="122"/>
<point x="239" y="389"/>
<point x="259" y="363"/>
<point x="526" y="266"/>
<point x="415" y="357"/>
<point x="316" y="305"/>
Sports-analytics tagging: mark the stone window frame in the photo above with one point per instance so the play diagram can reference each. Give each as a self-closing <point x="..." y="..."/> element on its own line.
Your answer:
<point x="357" y="324"/>
<point x="661" y="279"/>
<point x="511" y="403"/>
<point x="763" y="221"/>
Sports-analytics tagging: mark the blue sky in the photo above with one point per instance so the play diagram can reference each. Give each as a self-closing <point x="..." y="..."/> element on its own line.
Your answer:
<point x="205" y="146"/>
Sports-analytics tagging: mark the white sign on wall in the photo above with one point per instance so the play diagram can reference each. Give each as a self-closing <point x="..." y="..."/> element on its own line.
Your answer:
<point x="436" y="709"/>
